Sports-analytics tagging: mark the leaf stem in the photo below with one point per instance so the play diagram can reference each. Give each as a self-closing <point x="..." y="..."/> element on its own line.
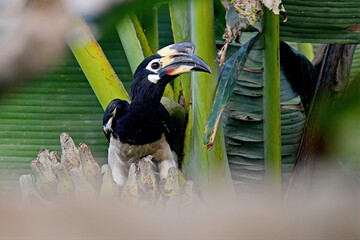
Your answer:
<point x="96" y="67"/>
<point x="272" y="119"/>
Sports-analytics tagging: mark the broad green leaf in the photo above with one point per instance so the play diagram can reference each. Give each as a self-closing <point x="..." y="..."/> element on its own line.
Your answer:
<point x="227" y="80"/>
<point x="34" y="115"/>
<point x="243" y="121"/>
<point x="355" y="67"/>
<point x="149" y="22"/>
<point x="321" y="21"/>
<point x="95" y="66"/>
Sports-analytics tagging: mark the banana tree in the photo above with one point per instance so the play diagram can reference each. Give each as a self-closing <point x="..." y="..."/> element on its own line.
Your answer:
<point x="242" y="143"/>
<point x="301" y="26"/>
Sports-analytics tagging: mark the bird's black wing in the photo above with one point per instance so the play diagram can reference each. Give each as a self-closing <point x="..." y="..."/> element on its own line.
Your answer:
<point x="114" y="110"/>
<point x="168" y="127"/>
<point x="300" y="72"/>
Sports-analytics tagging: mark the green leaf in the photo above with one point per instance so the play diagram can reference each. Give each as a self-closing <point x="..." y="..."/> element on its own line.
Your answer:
<point x="227" y="80"/>
<point x="316" y="21"/>
<point x="355" y="67"/>
<point x="232" y="17"/>
<point x="243" y="121"/>
<point x="34" y="115"/>
<point x="220" y="22"/>
<point x="149" y="22"/>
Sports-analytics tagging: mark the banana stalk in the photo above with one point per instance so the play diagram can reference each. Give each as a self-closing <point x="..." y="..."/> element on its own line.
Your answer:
<point x="95" y="66"/>
<point x="180" y="24"/>
<point x="136" y="45"/>
<point x="207" y="168"/>
<point x="272" y="124"/>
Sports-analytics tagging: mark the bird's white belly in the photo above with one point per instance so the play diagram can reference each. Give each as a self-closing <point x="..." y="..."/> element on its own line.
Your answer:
<point x="122" y="155"/>
<point x="160" y="150"/>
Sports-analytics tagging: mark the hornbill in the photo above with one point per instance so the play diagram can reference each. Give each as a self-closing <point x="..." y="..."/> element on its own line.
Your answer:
<point x="144" y="126"/>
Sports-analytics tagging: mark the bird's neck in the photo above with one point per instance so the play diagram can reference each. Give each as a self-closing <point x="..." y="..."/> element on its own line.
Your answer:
<point x="146" y="96"/>
<point x="146" y="102"/>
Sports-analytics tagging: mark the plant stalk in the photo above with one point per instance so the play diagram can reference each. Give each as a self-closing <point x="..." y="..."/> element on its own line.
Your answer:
<point x="130" y="42"/>
<point x="272" y="117"/>
<point x="136" y="45"/>
<point x="180" y="24"/>
<point x="97" y="69"/>
<point x="141" y="36"/>
<point x="209" y="169"/>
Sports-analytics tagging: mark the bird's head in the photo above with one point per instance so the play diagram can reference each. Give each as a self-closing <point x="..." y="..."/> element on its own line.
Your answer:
<point x="156" y="71"/>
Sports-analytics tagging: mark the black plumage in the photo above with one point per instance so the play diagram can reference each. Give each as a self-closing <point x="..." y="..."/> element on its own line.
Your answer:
<point x="145" y="119"/>
<point x="300" y="72"/>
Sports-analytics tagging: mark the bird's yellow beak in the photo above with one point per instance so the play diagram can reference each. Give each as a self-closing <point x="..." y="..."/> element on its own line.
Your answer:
<point x="179" y="58"/>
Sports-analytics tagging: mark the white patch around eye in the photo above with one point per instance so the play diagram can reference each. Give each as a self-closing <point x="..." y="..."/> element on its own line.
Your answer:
<point x="148" y="67"/>
<point x="154" y="78"/>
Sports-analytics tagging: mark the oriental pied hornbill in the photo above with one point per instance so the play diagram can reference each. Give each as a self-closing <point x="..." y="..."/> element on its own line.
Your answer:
<point x="144" y="127"/>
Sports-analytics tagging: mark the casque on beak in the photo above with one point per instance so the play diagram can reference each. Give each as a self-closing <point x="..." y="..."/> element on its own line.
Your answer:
<point x="179" y="58"/>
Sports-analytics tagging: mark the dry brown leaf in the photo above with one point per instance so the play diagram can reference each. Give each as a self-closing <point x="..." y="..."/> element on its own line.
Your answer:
<point x="273" y="5"/>
<point x="249" y="9"/>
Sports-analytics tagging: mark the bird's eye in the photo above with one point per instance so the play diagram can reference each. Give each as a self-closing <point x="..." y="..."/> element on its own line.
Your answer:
<point x="155" y="65"/>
